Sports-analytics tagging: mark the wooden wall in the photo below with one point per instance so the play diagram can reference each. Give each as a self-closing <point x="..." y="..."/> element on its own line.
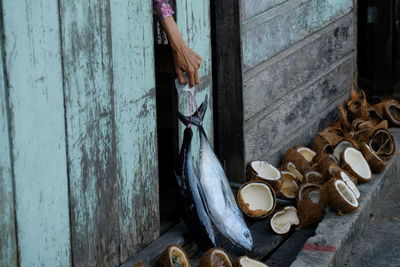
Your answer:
<point x="78" y="158"/>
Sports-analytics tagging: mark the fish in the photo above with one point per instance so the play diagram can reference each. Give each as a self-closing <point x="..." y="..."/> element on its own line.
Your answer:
<point x="224" y="212"/>
<point x="195" y="213"/>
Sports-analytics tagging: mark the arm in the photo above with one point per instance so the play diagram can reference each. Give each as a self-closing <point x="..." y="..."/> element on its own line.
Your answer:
<point x="185" y="59"/>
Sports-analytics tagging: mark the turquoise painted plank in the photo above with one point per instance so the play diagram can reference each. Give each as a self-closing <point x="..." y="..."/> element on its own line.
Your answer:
<point x="135" y="122"/>
<point x="8" y="247"/>
<point x="279" y="28"/>
<point x="33" y="64"/>
<point x="193" y="19"/>
<point x="91" y="136"/>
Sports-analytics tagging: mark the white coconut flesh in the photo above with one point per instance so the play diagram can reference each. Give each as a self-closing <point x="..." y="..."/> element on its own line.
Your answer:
<point x="350" y="184"/>
<point x="307" y="153"/>
<point x="289" y="185"/>
<point x="346" y="193"/>
<point x="340" y="148"/>
<point x="266" y="170"/>
<point x="357" y="162"/>
<point x="247" y="262"/>
<point x="284" y="219"/>
<point x="257" y="196"/>
<point x="219" y="258"/>
<point x="178" y="258"/>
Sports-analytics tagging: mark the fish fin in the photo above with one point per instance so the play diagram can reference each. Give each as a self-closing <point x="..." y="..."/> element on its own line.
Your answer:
<point x="209" y="228"/>
<point x="230" y="201"/>
<point x="197" y="117"/>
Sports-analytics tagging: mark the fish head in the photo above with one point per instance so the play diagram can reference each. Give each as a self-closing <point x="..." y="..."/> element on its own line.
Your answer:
<point x="240" y="234"/>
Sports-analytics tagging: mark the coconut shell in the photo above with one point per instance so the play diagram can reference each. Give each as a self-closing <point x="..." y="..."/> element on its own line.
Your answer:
<point x="356" y="124"/>
<point x="307" y="153"/>
<point x="246" y="263"/>
<point x="334" y="199"/>
<point x="382" y="143"/>
<point x="245" y="207"/>
<point x="321" y="146"/>
<point x="285" y="210"/>
<point x="292" y="168"/>
<point x="347" y="168"/>
<point x="350" y="136"/>
<point x="373" y="114"/>
<point x="375" y="163"/>
<point x="215" y="257"/>
<point x="323" y="165"/>
<point x="309" y="213"/>
<point x="288" y="186"/>
<point x="141" y="264"/>
<point x="253" y="175"/>
<point x="301" y="164"/>
<point x="335" y="128"/>
<point x="390" y="110"/>
<point x="166" y="260"/>
<point x="314" y="177"/>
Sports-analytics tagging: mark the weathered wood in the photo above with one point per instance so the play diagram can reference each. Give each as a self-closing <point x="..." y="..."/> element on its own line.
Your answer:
<point x="33" y="65"/>
<point x="283" y="26"/>
<point x="287" y="116"/>
<point x="135" y="124"/>
<point x="250" y="8"/>
<point x="8" y="238"/>
<point x="193" y="19"/>
<point x="277" y="77"/>
<point x="91" y="128"/>
<point x="227" y="74"/>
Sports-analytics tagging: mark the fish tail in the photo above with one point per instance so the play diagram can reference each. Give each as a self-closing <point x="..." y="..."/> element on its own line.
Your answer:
<point x="197" y="117"/>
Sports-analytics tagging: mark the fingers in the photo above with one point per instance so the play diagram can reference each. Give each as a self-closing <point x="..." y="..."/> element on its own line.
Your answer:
<point x="196" y="77"/>
<point x="192" y="81"/>
<point x="179" y="74"/>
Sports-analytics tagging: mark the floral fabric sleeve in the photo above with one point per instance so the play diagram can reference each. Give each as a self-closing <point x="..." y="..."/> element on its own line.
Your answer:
<point x="163" y="9"/>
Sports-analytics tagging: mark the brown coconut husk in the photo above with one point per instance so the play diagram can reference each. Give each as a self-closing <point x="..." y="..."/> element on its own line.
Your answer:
<point x="271" y="176"/>
<point x="344" y="120"/>
<point x="291" y="155"/>
<point x="335" y="200"/>
<point x="216" y="257"/>
<point x="141" y="264"/>
<point x="335" y="128"/>
<point x="389" y="110"/>
<point x="321" y="146"/>
<point x="382" y="143"/>
<point x="256" y="213"/>
<point x="324" y="164"/>
<point x="363" y="135"/>
<point x="375" y="162"/>
<point x="173" y="253"/>
<point x="350" y="136"/>
<point x="245" y="261"/>
<point x="352" y="167"/>
<point x="309" y="207"/>
<point x="314" y="177"/>
<point x="356" y="124"/>
<point x="374" y="115"/>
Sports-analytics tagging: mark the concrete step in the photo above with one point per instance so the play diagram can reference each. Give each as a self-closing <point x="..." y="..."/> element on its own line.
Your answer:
<point x="336" y="236"/>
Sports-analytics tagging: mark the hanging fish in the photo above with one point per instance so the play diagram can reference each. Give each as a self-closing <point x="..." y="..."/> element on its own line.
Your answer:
<point x="195" y="213"/>
<point x="219" y="198"/>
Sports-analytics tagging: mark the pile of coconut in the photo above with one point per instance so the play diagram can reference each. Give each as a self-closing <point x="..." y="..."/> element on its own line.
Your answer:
<point x="341" y="156"/>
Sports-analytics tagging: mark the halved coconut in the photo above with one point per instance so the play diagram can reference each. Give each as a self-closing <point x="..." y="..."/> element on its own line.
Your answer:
<point x="256" y="199"/>
<point x="324" y="165"/>
<point x="390" y="110"/>
<point x="354" y="163"/>
<point x="310" y="208"/>
<point x="245" y="261"/>
<point x="314" y="177"/>
<point x="375" y="162"/>
<point x="215" y="257"/>
<point x="339" y="196"/>
<point x="293" y="156"/>
<point x="382" y="143"/>
<point x="283" y="220"/>
<point x="264" y="172"/>
<point x="340" y="147"/>
<point x="323" y="143"/>
<point x="307" y="153"/>
<point x="288" y="186"/>
<point x="349" y="181"/>
<point x="292" y="168"/>
<point x="173" y="256"/>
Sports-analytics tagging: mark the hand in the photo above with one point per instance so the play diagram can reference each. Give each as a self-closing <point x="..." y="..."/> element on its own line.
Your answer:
<point x="185" y="59"/>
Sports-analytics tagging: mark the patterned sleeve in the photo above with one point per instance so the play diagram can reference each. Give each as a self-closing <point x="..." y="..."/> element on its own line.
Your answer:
<point x="162" y="8"/>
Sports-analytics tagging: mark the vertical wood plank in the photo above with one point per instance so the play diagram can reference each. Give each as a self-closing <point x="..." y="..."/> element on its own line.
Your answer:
<point x="33" y="66"/>
<point x="91" y="137"/>
<point x="193" y="19"/>
<point x="8" y="247"/>
<point x="135" y="113"/>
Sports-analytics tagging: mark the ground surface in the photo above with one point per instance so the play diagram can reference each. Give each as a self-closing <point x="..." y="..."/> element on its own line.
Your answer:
<point x="379" y="244"/>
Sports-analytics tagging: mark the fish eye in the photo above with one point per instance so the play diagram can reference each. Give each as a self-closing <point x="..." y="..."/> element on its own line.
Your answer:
<point x="247" y="234"/>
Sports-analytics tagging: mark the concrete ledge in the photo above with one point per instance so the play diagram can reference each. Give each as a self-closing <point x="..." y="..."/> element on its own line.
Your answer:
<point x="335" y="235"/>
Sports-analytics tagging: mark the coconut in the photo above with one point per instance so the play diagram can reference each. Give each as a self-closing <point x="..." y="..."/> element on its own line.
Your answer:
<point x="375" y="162"/>
<point x="215" y="257"/>
<point x="297" y="159"/>
<point x="173" y="256"/>
<point x="354" y="163"/>
<point x="335" y="128"/>
<point x="340" y="147"/>
<point x="141" y="264"/>
<point x="307" y="153"/>
<point x="323" y="166"/>
<point x="324" y="143"/>
<point x="245" y="261"/>
<point x="309" y="207"/>
<point x="344" y="121"/>
<point x="256" y="199"/>
<point x="314" y="177"/>
<point x="390" y="110"/>
<point x="349" y="182"/>
<point x="373" y="114"/>
<point x="264" y="172"/>
<point x="292" y="168"/>
<point x="282" y="220"/>
<point x="382" y="143"/>
<point x="339" y="196"/>
<point x="356" y="123"/>
<point x="288" y="186"/>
